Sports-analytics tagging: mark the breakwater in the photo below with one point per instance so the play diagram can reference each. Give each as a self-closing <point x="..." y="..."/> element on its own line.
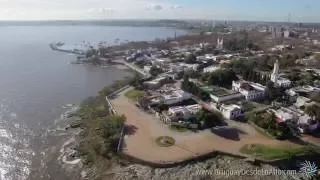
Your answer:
<point x="55" y="47"/>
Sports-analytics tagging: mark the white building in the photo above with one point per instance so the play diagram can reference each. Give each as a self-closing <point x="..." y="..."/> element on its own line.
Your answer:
<point x="146" y="69"/>
<point x="210" y="57"/>
<point x="210" y="69"/>
<point x="172" y="97"/>
<point x="219" y="94"/>
<point x="277" y="80"/>
<point x="302" y="101"/>
<point x="156" y="83"/>
<point x="231" y="111"/>
<point x="251" y="91"/>
<point x="189" y="67"/>
<point x="178" y="113"/>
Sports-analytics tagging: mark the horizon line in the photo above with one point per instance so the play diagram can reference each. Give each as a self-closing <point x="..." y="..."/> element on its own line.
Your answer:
<point x="145" y="19"/>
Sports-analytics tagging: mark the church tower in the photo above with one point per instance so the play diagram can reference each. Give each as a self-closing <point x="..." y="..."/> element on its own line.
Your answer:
<point x="220" y="43"/>
<point x="275" y="72"/>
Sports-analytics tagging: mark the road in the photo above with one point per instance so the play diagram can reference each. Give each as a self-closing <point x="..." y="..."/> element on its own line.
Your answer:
<point x="131" y="66"/>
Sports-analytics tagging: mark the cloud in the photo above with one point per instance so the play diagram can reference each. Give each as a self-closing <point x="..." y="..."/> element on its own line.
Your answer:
<point x="106" y="10"/>
<point x="95" y="9"/>
<point x="176" y="7"/>
<point x="100" y="10"/>
<point x="307" y="6"/>
<point x="156" y="7"/>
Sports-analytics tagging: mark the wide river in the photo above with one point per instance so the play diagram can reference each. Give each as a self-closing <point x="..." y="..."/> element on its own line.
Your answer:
<point x="37" y="84"/>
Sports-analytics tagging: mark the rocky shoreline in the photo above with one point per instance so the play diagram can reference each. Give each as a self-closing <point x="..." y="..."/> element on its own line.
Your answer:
<point x="201" y="170"/>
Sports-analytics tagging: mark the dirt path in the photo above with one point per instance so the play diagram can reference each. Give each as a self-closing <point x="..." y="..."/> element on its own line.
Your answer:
<point x="146" y="128"/>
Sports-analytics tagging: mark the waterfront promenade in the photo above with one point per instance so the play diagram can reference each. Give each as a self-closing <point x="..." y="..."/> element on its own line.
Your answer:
<point x="144" y="128"/>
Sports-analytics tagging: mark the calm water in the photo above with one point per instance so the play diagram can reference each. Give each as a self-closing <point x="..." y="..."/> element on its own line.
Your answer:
<point x="36" y="83"/>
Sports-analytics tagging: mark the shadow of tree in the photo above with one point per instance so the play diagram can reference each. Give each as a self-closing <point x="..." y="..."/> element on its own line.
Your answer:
<point x="130" y="130"/>
<point x="228" y="132"/>
<point x="114" y="96"/>
<point x="298" y="141"/>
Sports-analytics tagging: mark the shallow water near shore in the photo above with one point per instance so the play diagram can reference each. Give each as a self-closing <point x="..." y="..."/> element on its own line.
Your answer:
<point x="39" y="87"/>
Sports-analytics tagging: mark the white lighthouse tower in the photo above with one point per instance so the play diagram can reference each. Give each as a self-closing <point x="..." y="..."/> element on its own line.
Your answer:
<point x="275" y="73"/>
<point x="220" y="43"/>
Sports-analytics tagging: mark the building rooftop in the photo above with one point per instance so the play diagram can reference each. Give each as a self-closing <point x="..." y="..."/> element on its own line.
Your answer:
<point x="230" y="107"/>
<point x="218" y="91"/>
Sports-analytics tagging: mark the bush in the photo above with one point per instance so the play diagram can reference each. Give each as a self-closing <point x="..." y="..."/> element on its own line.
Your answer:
<point x="220" y="77"/>
<point x="268" y="122"/>
<point x="270" y="153"/>
<point x="209" y="119"/>
<point x="194" y="89"/>
<point x="134" y="94"/>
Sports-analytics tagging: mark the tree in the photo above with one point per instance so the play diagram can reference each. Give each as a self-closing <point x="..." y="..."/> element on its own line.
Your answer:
<point x="221" y="77"/>
<point x="269" y="122"/>
<point x="315" y="97"/>
<point x="313" y="111"/>
<point x="191" y="59"/>
<point x="209" y="119"/>
<point x="192" y="88"/>
<point x="144" y="102"/>
<point x="155" y="71"/>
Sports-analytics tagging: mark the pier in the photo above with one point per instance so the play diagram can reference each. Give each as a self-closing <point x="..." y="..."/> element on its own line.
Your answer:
<point x="73" y="51"/>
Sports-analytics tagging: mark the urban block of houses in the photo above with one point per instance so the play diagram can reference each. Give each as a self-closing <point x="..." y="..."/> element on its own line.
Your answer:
<point x="251" y="91"/>
<point x="304" y="121"/>
<point x="219" y="94"/>
<point x="158" y="82"/>
<point x="173" y="97"/>
<point x="188" y="67"/>
<point x="181" y="113"/>
<point x="305" y="89"/>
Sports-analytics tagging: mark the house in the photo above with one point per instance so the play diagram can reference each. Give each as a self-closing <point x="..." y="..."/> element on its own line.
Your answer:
<point x="172" y="75"/>
<point x="251" y="91"/>
<point x="306" y="89"/>
<point x="232" y="111"/>
<point x="302" y="101"/>
<point x="219" y="94"/>
<point x="292" y="95"/>
<point x="304" y="121"/>
<point x="210" y="69"/>
<point x="156" y="83"/>
<point x="146" y="69"/>
<point x="210" y="57"/>
<point x="189" y="67"/>
<point x="181" y="113"/>
<point x="172" y="97"/>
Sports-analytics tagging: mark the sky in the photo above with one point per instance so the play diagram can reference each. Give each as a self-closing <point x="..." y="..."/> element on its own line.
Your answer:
<point x="253" y="10"/>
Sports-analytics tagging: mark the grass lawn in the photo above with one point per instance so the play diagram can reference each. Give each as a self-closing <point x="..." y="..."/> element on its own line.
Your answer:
<point x="280" y="152"/>
<point x="134" y="94"/>
<point x="250" y="106"/>
<point x="178" y="129"/>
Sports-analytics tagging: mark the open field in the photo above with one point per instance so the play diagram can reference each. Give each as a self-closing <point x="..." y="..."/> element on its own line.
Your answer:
<point x="134" y="94"/>
<point x="271" y="153"/>
<point x="143" y="129"/>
